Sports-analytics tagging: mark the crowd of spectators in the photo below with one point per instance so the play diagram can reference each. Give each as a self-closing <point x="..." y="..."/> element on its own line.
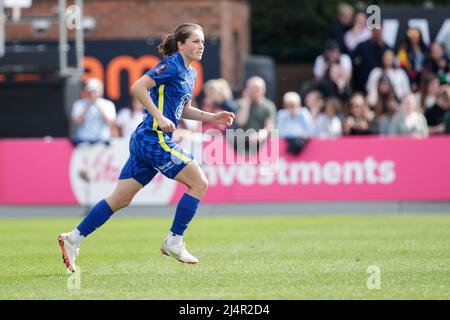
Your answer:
<point x="360" y="86"/>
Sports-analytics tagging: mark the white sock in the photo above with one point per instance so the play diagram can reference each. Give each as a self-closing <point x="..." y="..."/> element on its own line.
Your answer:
<point x="75" y="237"/>
<point x="174" y="239"/>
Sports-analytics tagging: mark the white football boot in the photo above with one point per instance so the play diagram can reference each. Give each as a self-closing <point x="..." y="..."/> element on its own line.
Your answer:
<point x="69" y="251"/>
<point x="178" y="252"/>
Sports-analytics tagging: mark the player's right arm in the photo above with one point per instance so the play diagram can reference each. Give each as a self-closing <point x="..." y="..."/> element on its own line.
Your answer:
<point x="140" y="91"/>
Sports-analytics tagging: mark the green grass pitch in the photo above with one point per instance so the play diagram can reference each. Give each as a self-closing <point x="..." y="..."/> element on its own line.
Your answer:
<point x="252" y="257"/>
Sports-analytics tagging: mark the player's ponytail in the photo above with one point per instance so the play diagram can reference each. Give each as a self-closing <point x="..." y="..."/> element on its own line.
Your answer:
<point x="169" y="42"/>
<point x="168" y="46"/>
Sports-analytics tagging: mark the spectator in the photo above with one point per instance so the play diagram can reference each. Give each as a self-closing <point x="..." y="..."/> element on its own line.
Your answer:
<point x="397" y="77"/>
<point x="341" y="24"/>
<point x="334" y="83"/>
<point x="217" y="97"/>
<point x="332" y="53"/>
<point x="295" y="120"/>
<point x="429" y="90"/>
<point x="358" y="33"/>
<point x="386" y="105"/>
<point x="409" y="120"/>
<point x="435" y="115"/>
<point x="367" y="56"/>
<point x="438" y="63"/>
<point x="295" y="123"/>
<point x="412" y="55"/>
<point x="359" y="117"/>
<point x="254" y="111"/>
<point x="93" y="116"/>
<point x="314" y="102"/>
<point x="328" y="123"/>
<point x="128" y="119"/>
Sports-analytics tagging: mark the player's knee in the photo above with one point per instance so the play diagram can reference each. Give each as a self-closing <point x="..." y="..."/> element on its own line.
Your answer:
<point x="201" y="186"/>
<point x="119" y="202"/>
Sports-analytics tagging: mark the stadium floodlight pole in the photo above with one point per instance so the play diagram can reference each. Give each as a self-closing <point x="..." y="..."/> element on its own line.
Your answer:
<point x="63" y="46"/>
<point x="2" y="29"/>
<point x="79" y="40"/>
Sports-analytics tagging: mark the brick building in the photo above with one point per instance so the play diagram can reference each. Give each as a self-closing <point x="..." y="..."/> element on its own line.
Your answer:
<point x="224" y="20"/>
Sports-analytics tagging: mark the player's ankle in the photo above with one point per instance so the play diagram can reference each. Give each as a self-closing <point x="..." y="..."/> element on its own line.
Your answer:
<point x="75" y="237"/>
<point x="174" y="239"/>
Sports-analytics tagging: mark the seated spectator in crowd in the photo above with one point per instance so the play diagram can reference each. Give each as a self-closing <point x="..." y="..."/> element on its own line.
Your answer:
<point x="128" y="119"/>
<point x="294" y="120"/>
<point x="386" y="105"/>
<point x="93" y="116"/>
<point x="367" y="56"/>
<point x="255" y="111"/>
<point x="341" y="24"/>
<point x="438" y="63"/>
<point x="397" y="76"/>
<point x="295" y="123"/>
<point x="409" y="120"/>
<point x="358" y="33"/>
<point x="359" y="119"/>
<point x="435" y="115"/>
<point x="314" y="102"/>
<point x="412" y="56"/>
<point x="329" y="124"/>
<point x="217" y="97"/>
<point x="429" y="90"/>
<point x="332" y="53"/>
<point x="334" y="83"/>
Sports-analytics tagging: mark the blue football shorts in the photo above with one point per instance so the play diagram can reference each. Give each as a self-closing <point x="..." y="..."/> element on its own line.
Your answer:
<point x="152" y="151"/>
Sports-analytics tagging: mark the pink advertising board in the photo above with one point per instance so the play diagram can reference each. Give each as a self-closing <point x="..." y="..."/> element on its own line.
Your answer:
<point x="34" y="171"/>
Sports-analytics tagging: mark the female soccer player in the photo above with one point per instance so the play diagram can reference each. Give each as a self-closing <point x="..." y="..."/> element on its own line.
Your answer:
<point x="166" y="93"/>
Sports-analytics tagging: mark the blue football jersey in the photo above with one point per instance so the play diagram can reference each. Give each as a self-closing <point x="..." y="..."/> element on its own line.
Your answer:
<point x="174" y="86"/>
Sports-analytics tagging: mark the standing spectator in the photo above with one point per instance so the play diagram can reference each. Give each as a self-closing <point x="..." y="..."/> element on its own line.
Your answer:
<point x="386" y="105"/>
<point x="438" y="62"/>
<point x="334" y="83"/>
<point x="328" y="123"/>
<point x="409" y="120"/>
<point x="341" y="24"/>
<point x="93" y="116"/>
<point x="332" y="53"/>
<point x="358" y="33"/>
<point x="129" y="118"/>
<point x="412" y="56"/>
<point x="435" y="115"/>
<point x="429" y="90"/>
<point x="359" y="117"/>
<point x="255" y="111"/>
<point x="367" y="56"/>
<point x="397" y="77"/>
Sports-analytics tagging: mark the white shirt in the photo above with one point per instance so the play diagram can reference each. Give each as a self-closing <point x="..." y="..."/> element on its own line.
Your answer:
<point x="320" y="67"/>
<point x="128" y="121"/>
<point x="328" y="127"/>
<point x="93" y="128"/>
<point x="352" y="39"/>
<point x="398" y="78"/>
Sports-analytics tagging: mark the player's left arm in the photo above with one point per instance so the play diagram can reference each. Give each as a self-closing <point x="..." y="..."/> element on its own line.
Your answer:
<point x="192" y="113"/>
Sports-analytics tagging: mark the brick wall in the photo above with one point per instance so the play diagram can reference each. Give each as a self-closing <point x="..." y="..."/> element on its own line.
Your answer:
<point x="227" y="20"/>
